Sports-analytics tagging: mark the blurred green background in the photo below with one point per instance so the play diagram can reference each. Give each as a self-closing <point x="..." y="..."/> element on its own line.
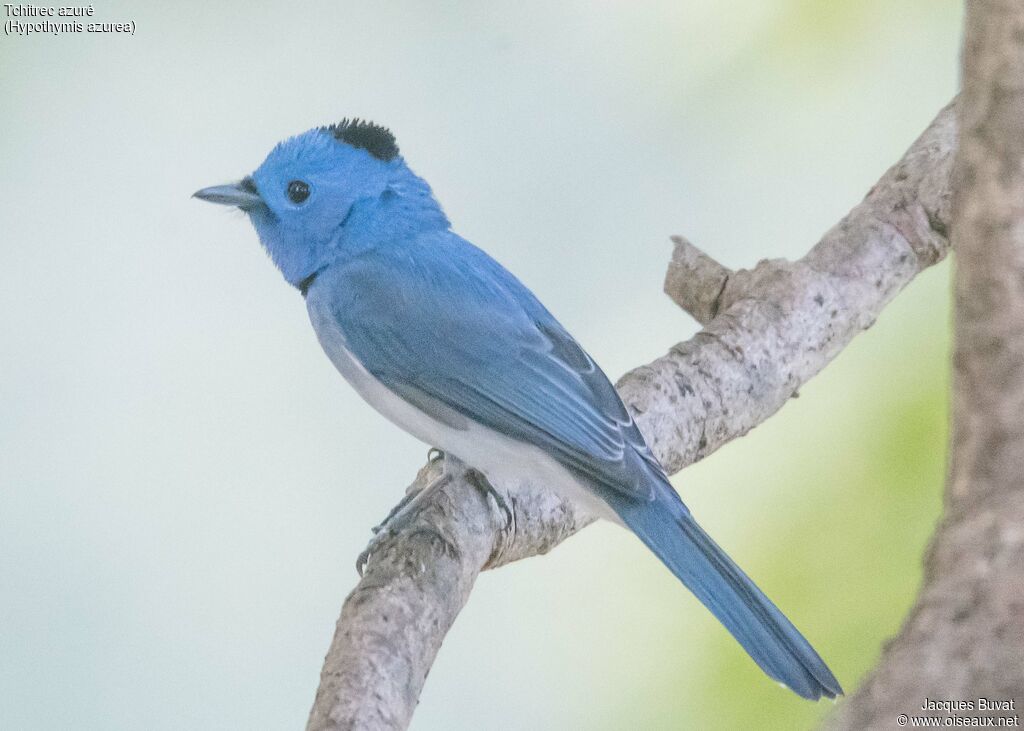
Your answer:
<point x="184" y="479"/>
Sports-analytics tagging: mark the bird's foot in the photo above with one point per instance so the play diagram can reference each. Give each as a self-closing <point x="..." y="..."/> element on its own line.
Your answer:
<point x="434" y="455"/>
<point x="380" y="536"/>
<point x="403" y="513"/>
<point x="406" y="499"/>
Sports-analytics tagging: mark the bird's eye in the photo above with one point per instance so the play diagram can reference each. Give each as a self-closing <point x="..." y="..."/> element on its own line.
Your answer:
<point x="298" y="191"/>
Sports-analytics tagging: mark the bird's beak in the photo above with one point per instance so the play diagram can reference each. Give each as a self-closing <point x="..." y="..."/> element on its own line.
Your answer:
<point x="242" y="194"/>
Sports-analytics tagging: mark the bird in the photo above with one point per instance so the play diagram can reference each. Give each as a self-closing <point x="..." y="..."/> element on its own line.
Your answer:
<point x="446" y="343"/>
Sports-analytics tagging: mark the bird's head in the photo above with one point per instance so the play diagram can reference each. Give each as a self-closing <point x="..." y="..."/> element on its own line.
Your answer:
<point x="325" y="189"/>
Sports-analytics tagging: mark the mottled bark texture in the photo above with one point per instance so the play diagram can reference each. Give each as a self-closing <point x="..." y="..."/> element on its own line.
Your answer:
<point x="964" y="638"/>
<point x="767" y="331"/>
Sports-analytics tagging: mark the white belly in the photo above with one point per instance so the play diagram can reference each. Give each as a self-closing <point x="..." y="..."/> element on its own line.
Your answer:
<point x="507" y="463"/>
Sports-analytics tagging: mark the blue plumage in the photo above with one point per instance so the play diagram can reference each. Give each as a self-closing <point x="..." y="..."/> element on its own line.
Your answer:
<point x="669" y="530"/>
<point x="434" y="315"/>
<point x="448" y="344"/>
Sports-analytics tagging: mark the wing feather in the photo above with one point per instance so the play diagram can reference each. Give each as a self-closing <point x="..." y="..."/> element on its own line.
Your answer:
<point x="457" y="329"/>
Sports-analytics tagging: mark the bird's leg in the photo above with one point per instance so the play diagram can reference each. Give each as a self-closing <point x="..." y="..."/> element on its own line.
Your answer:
<point x="402" y="514"/>
<point x="406" y="499"/>
<point x="479" y="480"/>
<point x="433" y="455"/>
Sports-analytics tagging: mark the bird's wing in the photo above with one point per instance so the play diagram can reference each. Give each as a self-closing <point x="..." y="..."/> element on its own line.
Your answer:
<point x="448" y="324"/>
<point x="449" y="329"/>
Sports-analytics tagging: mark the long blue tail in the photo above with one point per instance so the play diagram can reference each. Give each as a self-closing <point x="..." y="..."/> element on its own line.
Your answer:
<point x="667" y="528"/>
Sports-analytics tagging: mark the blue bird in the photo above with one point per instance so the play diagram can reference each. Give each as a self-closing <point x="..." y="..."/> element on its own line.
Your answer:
<point x="442" y="340"/>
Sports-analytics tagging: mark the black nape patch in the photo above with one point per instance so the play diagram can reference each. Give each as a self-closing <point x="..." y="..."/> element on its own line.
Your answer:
<point x="366" y="135"/>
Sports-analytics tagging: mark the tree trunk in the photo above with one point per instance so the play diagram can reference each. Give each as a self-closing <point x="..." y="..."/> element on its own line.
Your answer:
<point x="964" y="639"/>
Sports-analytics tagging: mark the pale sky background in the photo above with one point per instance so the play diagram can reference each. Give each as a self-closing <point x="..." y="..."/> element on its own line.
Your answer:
<point x="184" y="479"/>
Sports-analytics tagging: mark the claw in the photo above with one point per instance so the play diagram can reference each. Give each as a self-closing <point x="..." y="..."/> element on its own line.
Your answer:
<point x="382" y="534"/>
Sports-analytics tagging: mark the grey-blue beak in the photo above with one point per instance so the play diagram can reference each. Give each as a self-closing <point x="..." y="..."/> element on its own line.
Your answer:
<point x="242" y="194"/>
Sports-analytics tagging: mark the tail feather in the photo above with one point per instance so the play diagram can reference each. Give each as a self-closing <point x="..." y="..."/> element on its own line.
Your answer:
<point x="668" y="529"/>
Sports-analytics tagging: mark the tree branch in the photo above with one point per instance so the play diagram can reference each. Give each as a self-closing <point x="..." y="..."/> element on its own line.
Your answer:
<point x="767" y="331"/>
<point x="964" y="638"/>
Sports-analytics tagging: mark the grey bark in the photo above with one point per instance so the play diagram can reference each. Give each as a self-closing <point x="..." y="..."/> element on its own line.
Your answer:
<point x="964" y="638"/>
<point x="767" y="331"/>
